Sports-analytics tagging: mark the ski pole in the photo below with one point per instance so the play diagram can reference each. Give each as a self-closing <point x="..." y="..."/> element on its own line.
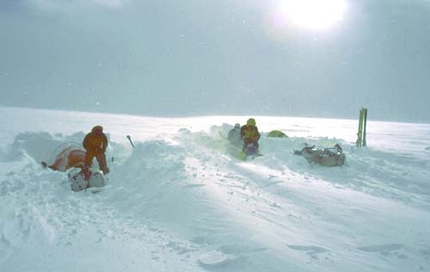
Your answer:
<point x="129" y="139"/>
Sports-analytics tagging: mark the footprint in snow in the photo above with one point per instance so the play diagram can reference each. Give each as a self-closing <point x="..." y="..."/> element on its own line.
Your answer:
<point x="312" y="251"/>
<point x="384" y="249"/>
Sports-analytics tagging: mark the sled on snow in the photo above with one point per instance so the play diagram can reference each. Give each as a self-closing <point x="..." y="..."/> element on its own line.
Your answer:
<point x="325" y="156"/>
<point x="78" y="181"/>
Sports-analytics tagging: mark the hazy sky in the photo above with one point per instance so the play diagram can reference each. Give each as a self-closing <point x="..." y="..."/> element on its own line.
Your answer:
<point x="253" y="57"/>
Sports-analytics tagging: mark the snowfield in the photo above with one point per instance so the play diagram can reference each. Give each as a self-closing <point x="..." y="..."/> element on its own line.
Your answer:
<point x="180" y="200"/>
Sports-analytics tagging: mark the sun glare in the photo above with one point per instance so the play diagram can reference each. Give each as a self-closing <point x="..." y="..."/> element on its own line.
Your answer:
<point x="314" y="14"/>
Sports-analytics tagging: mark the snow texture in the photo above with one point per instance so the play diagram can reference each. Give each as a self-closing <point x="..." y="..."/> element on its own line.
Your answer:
<point x="179" y="200"/>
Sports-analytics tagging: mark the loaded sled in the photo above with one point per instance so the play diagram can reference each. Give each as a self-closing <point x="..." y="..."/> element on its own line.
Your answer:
<point x="325" y="156"/>
<point x="81" y="179"/>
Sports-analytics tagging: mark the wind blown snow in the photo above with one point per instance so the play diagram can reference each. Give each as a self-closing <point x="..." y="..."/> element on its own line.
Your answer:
<point x="179" y="200"/>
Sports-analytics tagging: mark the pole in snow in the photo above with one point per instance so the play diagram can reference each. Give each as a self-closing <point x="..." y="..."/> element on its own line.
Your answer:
<point x="129" y="139"/>
<point x="362" y="122"/>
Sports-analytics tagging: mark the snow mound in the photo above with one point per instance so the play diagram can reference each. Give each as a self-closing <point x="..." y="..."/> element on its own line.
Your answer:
<point x="179" y="201"/>
<point x="214" y="258"/>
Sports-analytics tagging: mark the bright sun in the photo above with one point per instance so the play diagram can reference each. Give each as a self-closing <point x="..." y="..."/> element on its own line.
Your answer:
<point x="315" y="14"/>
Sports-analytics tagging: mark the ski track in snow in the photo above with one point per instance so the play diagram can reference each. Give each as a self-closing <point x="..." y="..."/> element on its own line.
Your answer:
<point x="185" y="203"/>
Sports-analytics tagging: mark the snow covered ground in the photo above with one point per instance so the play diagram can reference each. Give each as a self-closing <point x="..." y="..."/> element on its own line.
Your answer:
<point x="179" y="201"/>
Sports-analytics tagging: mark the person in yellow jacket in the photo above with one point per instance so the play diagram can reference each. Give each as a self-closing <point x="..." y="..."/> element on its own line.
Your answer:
<point x="250" y="136"/>
<point x="95" y="144"/>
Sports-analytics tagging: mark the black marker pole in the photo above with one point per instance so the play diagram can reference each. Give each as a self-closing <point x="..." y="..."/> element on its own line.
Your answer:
<point x="129" y="139"/>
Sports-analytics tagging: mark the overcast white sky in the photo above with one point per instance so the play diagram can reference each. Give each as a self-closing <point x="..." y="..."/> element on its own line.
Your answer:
<point x="231" y="57"/>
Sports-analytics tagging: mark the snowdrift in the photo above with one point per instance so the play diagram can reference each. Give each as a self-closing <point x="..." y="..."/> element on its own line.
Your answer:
<point x="179" y="201"/>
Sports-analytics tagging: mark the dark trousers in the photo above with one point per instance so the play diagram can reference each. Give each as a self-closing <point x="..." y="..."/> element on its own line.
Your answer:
<point x="250" y="146"/>
<point x="101" y="159"/>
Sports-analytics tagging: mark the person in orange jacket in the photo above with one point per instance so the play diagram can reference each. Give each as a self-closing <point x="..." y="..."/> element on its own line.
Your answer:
<point x="95" y="144"/>
<point x="250" y="136"/>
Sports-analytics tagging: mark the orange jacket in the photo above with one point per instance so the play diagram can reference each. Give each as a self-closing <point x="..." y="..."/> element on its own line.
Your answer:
<point x="95" y="143"/>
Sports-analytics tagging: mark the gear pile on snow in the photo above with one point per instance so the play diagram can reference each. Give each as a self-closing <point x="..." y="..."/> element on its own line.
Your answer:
<point x="78" y="182"/>
<point x="326" y="156"/>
